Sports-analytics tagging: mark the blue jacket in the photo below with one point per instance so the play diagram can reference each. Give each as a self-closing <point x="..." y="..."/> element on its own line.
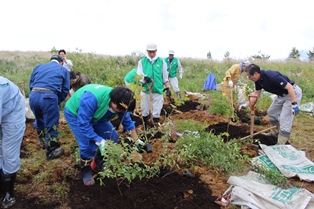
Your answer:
<point x="52" y="76"/>
<point x="87" y="107"/>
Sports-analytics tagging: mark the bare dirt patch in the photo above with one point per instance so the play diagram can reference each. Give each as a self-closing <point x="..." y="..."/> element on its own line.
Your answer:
<point x="169" y="190"/>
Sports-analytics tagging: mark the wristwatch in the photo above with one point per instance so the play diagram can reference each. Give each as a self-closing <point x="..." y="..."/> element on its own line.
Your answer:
<point x="294" y="103"/>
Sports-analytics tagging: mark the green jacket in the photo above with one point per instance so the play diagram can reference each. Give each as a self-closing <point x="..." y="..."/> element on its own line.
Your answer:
<point x="153" y="71"/>
<point x="129" y="77"/>
<point x="102" y="94"/>
<point x="172" y="67"/>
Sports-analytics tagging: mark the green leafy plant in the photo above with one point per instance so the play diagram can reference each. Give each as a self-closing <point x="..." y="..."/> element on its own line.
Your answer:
<point x="220" y="105"/>
<point x="210" y="150"/>
<point x="273" y="176"/>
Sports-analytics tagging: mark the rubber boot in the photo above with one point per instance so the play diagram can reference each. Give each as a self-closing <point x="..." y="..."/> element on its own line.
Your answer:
<point x="86" y="172"/>
<point x="97" y="163"/>
<point x="53" y="150"/>
<point x="8" y="185"/>
<point x="41" y="139"/>
<point x="156" y="122"/>
<point x="146" y="122"/>
<point x="1" y="185"/>
<point x="282" y="140"/>
<point x="273" y="132"/>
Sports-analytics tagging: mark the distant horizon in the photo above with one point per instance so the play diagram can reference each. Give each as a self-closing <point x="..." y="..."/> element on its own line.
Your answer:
<point x="130" y="54"/>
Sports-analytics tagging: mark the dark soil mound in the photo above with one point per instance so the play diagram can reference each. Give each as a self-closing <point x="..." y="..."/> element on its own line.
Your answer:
<point x="172" y="191"/>
<point x="188" y="105"/>
<point x="237" y="132"/>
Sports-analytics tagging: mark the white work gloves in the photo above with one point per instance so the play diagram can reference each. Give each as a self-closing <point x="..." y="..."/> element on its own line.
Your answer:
<point x="180" y="76"/>
<point x="230" y="83"/>
<point x="243" y="106"/>
<point x="101" y="146"/>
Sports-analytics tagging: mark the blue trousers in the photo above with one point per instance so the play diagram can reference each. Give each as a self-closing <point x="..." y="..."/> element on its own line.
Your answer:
<point x="12" y="129"/>
<point x="103" y="128"/>
<point x="46" y="110"/>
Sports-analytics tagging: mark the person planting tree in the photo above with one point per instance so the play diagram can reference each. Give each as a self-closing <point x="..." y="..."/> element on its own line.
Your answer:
<point x="285" y="105"/>
<point x="233" y="75"/>
<point x="49" y="85"/>
<point x="153" y="70"/>
<point x="88" y="113"/>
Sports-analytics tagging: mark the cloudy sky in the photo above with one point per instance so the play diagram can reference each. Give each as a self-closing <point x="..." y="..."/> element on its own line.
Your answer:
<point x="190" y="28"/>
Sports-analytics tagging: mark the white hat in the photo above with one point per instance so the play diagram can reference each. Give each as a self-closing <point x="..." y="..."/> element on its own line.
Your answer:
<point x="151" y="47"/>
<point x="246" y="63"/>
<point x="171" y="52"/>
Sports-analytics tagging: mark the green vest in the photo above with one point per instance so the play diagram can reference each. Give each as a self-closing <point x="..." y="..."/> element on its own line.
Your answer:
<point x="172" y="67"/>
<point x="102" y="94"/>
<point x="154" y="71"/>
<point x="129" y="77"/>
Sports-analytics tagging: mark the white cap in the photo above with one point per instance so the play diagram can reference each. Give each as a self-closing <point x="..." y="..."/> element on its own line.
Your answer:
<point x="151" y="47"/>
<point x="171" y="52"/>
<point x="246" y="63"/>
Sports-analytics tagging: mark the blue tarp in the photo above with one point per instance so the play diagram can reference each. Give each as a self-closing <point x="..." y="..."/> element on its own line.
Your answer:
<point x="210" y="83"/>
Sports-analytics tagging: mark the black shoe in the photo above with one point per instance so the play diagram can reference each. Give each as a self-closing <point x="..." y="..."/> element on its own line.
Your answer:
<point x="55" y="153"/>
<point x="8" y="201"/>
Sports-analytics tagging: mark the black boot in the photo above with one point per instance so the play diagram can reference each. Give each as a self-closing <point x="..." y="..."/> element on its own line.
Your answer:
<point x="156" y="122"/>
<point x="1" y="185"/>
<point x="41" y="139"/>
<point x="146" y="122"/>
<point x="86" y="172"/>
<point x="53" y="150"/>
<point x="8" y="185"/>
<point x="97" y="164"/>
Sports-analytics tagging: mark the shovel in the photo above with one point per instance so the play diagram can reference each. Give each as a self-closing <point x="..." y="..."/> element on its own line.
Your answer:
<point x="150" y="102"/>
<point x="232" y="107"/>
<point x="252" y="103"/>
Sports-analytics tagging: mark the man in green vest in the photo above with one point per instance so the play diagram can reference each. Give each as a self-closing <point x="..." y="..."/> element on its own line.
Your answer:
<point x="153" y="70"/>
<point x="130" y="77"/>
<point x="88" y="113"/>
<point x="174" y="66"/>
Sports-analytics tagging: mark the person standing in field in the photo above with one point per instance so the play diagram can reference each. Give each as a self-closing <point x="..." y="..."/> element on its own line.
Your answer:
<point x="153" y="71"/>
<point x="129" y="77"/>
<point x="88" y="113"/>
<point x="233" y="75"/>
<point x="285" y="105"/>
<point x="174" y="67"/>
<point x="49" y="85"/>
<point x="66" y="62"/>
<point x="12" y="127"/>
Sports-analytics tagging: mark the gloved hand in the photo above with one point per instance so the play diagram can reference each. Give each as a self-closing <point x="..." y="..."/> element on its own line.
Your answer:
<point x="180" y="76"/>
<point x="241" y="107"/>
<point x="143" y="146"/>
<point x="147" y="79"/>
<point x="295" y="109"/>
<point x="97" y="163"/>
<point x="230" y="83"/>
<point x="168" y="92"/>
<point x="102" y="146"/>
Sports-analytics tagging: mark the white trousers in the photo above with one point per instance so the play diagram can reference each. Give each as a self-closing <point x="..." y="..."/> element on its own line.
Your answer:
<point x="175" y="84"/>
<point x="158" y="101"/>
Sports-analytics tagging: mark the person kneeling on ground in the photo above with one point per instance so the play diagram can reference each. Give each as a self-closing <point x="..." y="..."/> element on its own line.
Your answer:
<point x="88" y="113"/>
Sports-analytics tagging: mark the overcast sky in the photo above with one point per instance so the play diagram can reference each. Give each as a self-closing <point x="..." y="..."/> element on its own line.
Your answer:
<point x="190" y="28"/>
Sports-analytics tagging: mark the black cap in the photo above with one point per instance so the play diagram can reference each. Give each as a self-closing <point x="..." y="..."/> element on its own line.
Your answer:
<point x="57" y="57"/>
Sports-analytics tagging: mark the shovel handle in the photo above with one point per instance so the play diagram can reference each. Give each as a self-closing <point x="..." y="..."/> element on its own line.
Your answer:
<point x="252" y="103"/>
